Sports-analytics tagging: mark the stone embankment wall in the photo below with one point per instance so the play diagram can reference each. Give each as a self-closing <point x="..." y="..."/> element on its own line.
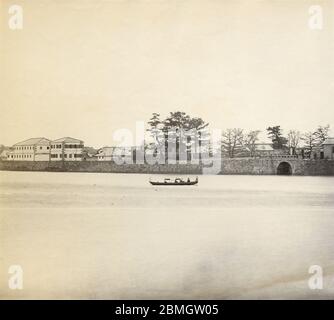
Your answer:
<point x="253" y="166"/>
<point x="98" y="166"/>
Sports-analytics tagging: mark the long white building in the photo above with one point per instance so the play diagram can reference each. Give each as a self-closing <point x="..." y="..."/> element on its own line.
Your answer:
<point x="42" y="149"/>
<point x="34" y="149"/>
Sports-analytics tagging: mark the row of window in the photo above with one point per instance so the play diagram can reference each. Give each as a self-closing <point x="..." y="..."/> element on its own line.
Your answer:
<point x="73" y="146"/>
<point x="21" y="156"/>
<point x="67" y="146"/>
<point x="26" y="156"/>
<point x="70" y="156"/>
<point x="53" y="146"/>
<point x="30" y="148"/>
<point x="24" y="148"/>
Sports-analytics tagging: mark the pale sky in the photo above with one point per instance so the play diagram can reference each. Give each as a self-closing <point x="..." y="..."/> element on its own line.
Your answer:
<point x="85" y="68"/>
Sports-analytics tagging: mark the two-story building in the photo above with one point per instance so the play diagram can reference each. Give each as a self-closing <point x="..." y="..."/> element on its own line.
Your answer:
<point x="66" y="149"/>
<point x="34" y="149"/>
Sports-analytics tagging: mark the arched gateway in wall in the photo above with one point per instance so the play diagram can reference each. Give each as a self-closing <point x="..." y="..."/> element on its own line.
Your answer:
<point x="284" y="168"/>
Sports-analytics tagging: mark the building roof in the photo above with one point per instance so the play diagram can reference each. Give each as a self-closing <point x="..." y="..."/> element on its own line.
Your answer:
<point x="329" y="141"/>
<point x="106" y="151"/>
<point x="33" y="141"/>
<point x="107" y="148"/>
<point x="68" y="140"/>
<point x="263" y="147"/>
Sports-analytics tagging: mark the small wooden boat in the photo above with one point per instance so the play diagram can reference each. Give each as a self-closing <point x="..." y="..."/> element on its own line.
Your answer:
<point x="175" y="182"/>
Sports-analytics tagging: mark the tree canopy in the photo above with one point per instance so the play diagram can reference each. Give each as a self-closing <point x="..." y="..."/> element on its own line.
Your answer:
<point x="276" y="136"/>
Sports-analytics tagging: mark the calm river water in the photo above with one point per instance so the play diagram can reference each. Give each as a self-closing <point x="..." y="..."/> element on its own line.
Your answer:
<point x="96" y="236"/>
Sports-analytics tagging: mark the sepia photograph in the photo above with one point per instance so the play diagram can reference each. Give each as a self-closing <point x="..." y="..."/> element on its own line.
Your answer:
<point x="167" y="150"/>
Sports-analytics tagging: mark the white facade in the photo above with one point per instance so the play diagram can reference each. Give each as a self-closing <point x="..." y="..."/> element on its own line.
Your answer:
<point x="66" y="149"/>
<point x="42" y="149"/>
<point x="34" y="149"/>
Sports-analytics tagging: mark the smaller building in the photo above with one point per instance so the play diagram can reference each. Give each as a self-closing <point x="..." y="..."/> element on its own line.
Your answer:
<point x="66" y="149"/>
<point x="116" y="154"/>
<point x="263" y="149"/>
<point x="328" y="148"/>
<point x="88" y="154"/>
<point x="104" y="154"/>
<point x="4" y="155"/>
<point x="34" y="149"/>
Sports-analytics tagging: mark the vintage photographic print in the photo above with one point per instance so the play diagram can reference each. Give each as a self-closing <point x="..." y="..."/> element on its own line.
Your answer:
<point x="167" y="149"/>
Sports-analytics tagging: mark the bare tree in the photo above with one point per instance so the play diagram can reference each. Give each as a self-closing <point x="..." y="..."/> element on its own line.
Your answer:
<point x="232" y="141"/>
<point x="249" y="141"/>
<point x="315" y="139"/>
<point x="309" y="142"/>
<point x="293" y="140"/>
<point x="321" y="134"/>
